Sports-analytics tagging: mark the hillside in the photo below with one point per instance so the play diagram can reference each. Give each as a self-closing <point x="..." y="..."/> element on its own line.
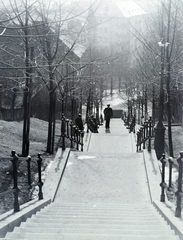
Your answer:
<point x="11" y="139"/>
<point x="11" y="136"/>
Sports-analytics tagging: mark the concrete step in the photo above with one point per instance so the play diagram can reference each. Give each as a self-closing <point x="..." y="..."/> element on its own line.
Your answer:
<point x="86" y="217"/>
<point x="92" y="221"/>
<point x="83" y="221"/>
<point x="101" y="207"/>
<point x="99" y="231"/>
<point x="42" y="236"/>
<point x="98" y="225"/>
<point x="102" y="210"/>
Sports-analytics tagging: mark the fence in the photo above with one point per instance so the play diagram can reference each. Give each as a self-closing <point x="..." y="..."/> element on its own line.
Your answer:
<point x="71" y="132"/>
<point x="129" y="121"/>
<point x="144" y="135"/>
<point x="25" y="183"/>
<point x="178" y="163"/>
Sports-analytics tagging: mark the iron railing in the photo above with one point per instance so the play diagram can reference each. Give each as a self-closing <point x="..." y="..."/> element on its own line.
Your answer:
<point x="144" y="135"/>
<point x="30" y="183"/>
<point x="177" y="190"/>
<point x="71" y="132"/>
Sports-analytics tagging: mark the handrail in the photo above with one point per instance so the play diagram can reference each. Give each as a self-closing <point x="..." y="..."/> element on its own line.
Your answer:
<point x="179" y="191"/>
<point x="15" y="159"/>
<point x="144" y="135"/>
<point x="71" y="132"/>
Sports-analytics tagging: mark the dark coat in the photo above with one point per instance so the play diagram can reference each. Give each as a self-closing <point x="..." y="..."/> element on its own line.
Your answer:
<point x="108" y="113"/>
<point x="79" y="123"/>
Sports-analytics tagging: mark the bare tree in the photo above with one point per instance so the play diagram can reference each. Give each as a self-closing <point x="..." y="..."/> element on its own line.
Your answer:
<point x="167" y="17"/>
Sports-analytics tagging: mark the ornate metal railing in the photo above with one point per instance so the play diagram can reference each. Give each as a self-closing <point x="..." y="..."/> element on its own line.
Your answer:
<point x="177" y="190"/>
<point x="29" y="183"/>
<point x="144" y="135"/>
<point x="71" y="132"/>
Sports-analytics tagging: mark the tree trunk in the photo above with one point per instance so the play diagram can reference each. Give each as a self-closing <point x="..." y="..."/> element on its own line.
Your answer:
<point x="168" y="85"/>
<point x="169" y="111"/>
<point x="50" y="123"/>
<point x="27" y="102"/>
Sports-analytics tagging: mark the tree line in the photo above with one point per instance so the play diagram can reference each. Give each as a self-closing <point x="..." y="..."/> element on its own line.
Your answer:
<point x="39" y="62"/>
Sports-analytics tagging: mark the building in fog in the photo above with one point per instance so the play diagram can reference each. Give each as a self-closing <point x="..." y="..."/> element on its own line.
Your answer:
<point x="106" y="25"/>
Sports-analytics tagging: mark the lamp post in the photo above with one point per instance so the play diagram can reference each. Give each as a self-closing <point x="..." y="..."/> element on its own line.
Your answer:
<point x="159" y="128"/>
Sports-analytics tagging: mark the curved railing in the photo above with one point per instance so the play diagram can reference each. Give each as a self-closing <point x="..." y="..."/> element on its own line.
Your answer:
<point x="30" y="182"/>
<point x="177" y="189"/>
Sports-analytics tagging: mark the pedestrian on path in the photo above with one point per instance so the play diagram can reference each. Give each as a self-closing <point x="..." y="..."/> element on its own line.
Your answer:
<point x="108" y="113"/>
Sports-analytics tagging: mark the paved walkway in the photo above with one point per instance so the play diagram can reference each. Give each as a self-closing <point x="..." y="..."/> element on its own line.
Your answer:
<point x="108" y="171"/>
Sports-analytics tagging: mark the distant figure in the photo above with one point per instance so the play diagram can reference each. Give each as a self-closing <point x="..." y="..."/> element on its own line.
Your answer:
<point x="79" y="122"/>
<point x="108" y="113"/>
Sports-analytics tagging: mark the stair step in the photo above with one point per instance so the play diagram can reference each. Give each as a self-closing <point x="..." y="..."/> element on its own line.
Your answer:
<point x="99" y="206"/>
<point x="49" y="236"/>
<point x="101" y="229"/>
<point x="90" y="230"/>
<point x="95" y="211"/>
<point x="94" y="225"/>
<point x="105" y="210"/>
<point x="93" y="216"/>
<point x="91" y="221"/>
<point x="98" y="224"/>
<point x="94" y="222"/>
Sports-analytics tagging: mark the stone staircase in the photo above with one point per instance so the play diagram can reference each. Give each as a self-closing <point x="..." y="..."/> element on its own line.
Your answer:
<point x="80" y="221"/>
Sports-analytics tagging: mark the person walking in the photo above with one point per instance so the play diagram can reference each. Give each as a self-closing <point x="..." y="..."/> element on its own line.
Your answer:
<point x="108" y="113"/>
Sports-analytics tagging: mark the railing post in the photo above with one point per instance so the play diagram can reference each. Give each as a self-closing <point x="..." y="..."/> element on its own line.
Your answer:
<point x="87" y="123"/>
<point x="15" y="181"/>
<point x="72" y="134"/>
<point x="29" y="170"/>
<point x="170" y="160"/>
<point x="134" y="123"/>
<point x="63" y="131"/>
<point x="77" y="138"/>
<point x="179" y="193"/>
<point x="141" y="138"/>
<point x="40" y="184"/>
<point x="138" y="133"/>
<point x="163" y="184"/>
<point x="144" y="134"/>
<point x="67" y="127"/>
<point x="81" y="140"/>
<point x="146" y="127"/>
<point x="150" y="133"/>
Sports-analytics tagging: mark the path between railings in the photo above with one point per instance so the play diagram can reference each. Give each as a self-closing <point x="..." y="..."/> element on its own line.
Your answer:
<point x="109" y="170"/>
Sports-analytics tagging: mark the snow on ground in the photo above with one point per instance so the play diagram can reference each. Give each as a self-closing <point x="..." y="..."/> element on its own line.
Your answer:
<point x="117" y="100"/>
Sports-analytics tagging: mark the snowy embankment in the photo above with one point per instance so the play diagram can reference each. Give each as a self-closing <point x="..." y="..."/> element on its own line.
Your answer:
<point x="117" y="100"/>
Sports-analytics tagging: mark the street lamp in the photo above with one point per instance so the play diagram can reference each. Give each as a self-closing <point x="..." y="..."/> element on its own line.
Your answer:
<point x="160" y="129"/>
